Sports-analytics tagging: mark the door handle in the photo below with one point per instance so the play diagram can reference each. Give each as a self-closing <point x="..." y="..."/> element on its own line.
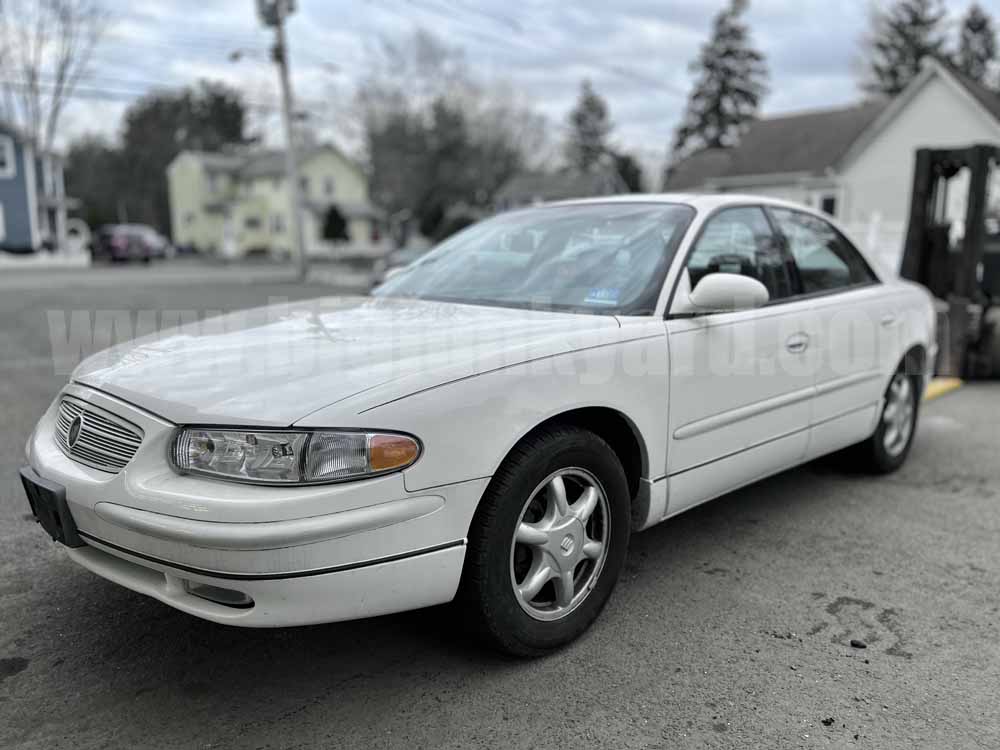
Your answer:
<point x="889" y="319"/>
<point x="797" y="343"/>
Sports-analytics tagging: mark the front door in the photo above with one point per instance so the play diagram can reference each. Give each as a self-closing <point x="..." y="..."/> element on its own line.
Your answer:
<point x="741" y="383"/>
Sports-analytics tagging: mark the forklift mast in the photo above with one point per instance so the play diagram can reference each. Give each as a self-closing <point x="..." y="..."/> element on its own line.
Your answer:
<point x="955" y="275"/>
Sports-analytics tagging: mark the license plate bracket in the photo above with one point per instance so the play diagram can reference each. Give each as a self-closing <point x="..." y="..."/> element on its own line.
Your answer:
<point x="48" y="505"/>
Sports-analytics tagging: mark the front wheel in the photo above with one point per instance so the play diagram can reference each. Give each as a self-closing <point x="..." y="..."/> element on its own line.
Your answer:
<point x="548" y="542"/>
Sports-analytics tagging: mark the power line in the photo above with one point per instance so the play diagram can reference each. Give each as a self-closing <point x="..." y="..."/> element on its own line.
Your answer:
<point x="177" y="43"/>
<point x="108" y="94"/>
<point x="197" y="29"/>
<point x="523" y="42"/>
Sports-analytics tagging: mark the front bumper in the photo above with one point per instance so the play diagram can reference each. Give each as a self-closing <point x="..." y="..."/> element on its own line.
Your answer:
<point x="368" y="590"/>
<point x="301" y="554"/>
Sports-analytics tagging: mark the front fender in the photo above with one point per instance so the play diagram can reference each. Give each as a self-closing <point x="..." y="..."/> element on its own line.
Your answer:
<point x="467" y="427"/>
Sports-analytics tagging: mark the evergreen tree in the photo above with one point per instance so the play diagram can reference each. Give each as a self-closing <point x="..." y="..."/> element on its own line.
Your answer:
<point x="730" y="80"/>
<point x="589" y="127"/>
<point x="902" y="36"/>
<point x="94" y="173"/>
<point x="977" y="44"/>
<point x="629" y="170"/>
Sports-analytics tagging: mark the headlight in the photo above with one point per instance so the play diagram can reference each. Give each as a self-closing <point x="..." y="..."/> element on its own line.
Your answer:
<point x="289" y="456"/>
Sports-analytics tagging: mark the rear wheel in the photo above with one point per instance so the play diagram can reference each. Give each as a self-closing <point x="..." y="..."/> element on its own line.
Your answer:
<point x="547" y="543"/>
<point x="886" y="450"/>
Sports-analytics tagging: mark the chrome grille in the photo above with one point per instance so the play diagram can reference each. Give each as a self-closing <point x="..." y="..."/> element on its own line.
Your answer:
<point x="104" y="442"/>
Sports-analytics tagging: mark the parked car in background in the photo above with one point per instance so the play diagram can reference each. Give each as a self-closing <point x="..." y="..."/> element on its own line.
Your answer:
<point x="128" y="242"/>
<point x="159" y="246"/>
<point x="492" y="425"/>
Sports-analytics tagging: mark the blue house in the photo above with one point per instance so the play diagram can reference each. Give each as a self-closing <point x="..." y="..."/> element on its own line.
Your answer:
<point x="33" y="200"/>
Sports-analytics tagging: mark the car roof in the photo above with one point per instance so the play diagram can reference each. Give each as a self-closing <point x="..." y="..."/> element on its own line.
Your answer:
<point x="701" y="201"/>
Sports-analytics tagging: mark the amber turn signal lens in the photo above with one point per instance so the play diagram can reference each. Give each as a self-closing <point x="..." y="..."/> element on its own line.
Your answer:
<point x="387" y="452"/>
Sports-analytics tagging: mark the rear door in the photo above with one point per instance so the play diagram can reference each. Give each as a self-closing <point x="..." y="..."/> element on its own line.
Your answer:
<point x="741" y="383"/>
<point x="857" y="324"/>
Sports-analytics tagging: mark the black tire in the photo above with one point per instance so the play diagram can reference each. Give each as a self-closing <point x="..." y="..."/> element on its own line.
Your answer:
<point x="873" y="455"/>
<point x="487" y="595"/>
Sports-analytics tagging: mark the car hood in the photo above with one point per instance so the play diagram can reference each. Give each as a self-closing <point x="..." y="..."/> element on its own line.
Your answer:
<point x="275" y="365"/>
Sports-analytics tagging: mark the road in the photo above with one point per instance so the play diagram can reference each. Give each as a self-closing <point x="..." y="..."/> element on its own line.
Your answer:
<point x="730" y="628"/>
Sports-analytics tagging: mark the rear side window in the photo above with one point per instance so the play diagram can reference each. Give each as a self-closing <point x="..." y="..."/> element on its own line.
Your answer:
<point x="825" y="259"/>
<point x="740" y="240"/>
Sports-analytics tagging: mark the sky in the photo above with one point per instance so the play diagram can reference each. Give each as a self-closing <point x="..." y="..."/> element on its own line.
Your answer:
<point x="635" y="52"/>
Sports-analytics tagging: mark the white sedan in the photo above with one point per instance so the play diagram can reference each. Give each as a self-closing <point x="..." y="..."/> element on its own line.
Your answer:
<point x="490" y="426"/>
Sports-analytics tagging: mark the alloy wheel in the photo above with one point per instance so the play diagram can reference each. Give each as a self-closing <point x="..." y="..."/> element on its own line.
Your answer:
<point x="897" y="417"/>
<point x="560" y="544"/>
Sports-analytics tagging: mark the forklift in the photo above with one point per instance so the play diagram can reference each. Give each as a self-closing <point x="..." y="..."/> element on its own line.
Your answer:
<point x="962" y="272"/>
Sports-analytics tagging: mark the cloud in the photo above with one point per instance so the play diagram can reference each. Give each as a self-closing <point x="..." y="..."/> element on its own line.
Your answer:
<point x="636" y="52"/>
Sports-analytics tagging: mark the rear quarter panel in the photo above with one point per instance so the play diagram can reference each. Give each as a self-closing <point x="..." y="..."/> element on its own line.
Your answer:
<point x="916" y="327"/>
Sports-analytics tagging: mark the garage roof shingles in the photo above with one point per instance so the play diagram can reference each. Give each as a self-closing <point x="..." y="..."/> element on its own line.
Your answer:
<point x="810" y="142"/>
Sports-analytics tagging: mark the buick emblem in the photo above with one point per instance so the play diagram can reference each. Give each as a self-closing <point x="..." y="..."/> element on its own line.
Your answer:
<point x="74" y="431"/>
<point x="567" y="544"/>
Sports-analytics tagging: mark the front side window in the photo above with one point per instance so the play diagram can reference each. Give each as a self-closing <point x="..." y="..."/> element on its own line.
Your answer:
<point x="825" y="259"/>
<point x="740" y="240"/>
<point x="603" y="258"/>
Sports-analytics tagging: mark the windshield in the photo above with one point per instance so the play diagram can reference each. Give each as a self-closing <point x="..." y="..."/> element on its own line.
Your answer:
<point x="602" y="258"/>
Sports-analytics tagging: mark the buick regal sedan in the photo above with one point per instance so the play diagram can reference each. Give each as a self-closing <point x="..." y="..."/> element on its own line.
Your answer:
<point x="491" y="425"/>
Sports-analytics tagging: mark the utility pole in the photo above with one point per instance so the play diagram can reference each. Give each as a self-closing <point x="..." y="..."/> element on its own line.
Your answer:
<point x="273" y="13"/>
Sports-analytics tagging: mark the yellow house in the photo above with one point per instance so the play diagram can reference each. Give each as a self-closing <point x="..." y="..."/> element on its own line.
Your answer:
<point x="236" y="202"/>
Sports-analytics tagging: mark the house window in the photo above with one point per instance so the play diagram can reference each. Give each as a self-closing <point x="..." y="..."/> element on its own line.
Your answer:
<point x="213" y="183"/>
<point x="277" y="224"/>
<point x="328" y="187"/>
<point x="252" y="222"/>
<point x="828" y="204"/>
<point x="8" y="167"/>
<point x="189" y="218"/>
<point x="304" y="184"/>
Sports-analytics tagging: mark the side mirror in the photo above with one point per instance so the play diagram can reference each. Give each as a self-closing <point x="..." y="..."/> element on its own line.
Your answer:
<point x="727" y="292"/>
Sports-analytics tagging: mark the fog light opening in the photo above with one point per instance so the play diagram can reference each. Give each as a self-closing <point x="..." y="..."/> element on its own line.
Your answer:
<point x="219" y="595"/>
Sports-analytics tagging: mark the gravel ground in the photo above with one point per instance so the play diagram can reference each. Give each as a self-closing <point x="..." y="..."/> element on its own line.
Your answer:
<point x="730" y="628"/>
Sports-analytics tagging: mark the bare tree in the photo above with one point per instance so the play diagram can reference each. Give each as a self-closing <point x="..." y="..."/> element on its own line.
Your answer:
<point x="434" y="136"/>
<point x="45" y="49"/>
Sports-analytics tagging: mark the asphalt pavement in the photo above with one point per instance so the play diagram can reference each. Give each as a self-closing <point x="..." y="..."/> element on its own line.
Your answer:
<point x="731" y="627"/>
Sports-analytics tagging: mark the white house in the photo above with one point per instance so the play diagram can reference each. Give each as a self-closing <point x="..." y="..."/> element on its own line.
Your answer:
<point x="236" y="202"/>
<point x="855" y="163"/>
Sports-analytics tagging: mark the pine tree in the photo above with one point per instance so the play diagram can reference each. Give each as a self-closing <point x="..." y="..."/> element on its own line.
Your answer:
<point x="977" y="44"/>
<point x="902" y="37"/>
<point x="730" y="80"/>
<point x="629" y="170"/>
<point x="589" y="124"/>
